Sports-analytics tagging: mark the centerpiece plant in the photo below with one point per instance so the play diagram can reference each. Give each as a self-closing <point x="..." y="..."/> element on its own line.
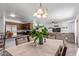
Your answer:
<point x="39" y="34"/>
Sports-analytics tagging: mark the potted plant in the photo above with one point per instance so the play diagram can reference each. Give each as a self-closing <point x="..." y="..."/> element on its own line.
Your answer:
<point x="39" y="34"/>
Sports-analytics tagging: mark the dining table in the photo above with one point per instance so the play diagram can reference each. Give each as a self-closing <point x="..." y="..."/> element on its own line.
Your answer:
<point x="49" y="48"/>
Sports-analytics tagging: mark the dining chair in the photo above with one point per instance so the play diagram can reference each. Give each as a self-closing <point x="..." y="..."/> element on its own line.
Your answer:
<point x="63" y="52"/>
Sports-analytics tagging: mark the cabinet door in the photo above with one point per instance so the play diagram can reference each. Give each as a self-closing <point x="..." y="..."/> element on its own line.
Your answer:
<point x="8" y="28"/>
<point x="14" y="30"/>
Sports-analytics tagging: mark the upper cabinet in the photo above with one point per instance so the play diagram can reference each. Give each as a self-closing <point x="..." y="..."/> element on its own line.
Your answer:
<point x="27" y="26"/>
<point x="20" y="26"/>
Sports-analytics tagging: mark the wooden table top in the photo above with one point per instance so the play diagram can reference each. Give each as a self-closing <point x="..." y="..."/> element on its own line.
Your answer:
<point x="49" y="48"/>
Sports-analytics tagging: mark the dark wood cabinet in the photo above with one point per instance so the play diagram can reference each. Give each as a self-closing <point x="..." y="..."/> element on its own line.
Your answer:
<point x="20" y="26"/>
<point x="26" y="26"/>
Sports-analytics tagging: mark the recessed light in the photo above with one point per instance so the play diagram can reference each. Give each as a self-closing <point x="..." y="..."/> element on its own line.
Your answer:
<point x="12" y="15"/>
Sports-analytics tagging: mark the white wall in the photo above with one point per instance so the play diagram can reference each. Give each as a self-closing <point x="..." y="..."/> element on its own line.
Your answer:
<point x="2" y="25"/>
<point x="77" y="30"/>
<point x="67" y="26"/>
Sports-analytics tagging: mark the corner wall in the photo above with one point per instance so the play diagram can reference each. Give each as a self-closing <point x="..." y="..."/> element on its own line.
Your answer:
<point x="2" y="25"/>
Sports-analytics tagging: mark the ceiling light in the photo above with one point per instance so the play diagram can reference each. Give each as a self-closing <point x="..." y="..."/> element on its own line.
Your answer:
<point x="12" y="15"/>
<point x="41" y="12"/>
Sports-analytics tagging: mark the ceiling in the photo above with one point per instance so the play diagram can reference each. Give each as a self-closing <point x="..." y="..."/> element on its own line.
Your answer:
<point x="56" y="11"/>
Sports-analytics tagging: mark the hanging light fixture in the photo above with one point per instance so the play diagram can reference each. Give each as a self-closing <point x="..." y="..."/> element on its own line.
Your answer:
<point x="41" y="12"/>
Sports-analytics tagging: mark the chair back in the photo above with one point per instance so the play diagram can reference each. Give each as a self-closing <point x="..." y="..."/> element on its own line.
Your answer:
<point x="64" y="51"/>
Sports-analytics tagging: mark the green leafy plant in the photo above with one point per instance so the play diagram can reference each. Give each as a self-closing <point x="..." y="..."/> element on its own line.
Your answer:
<point x="39" y="33"/>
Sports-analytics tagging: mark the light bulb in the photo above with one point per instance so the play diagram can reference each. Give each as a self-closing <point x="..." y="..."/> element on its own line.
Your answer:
<point x="45" y="15"/>
<point x="35" y="14"/>
<point x="38" y="16"/>
<point x="40" y="11"/>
